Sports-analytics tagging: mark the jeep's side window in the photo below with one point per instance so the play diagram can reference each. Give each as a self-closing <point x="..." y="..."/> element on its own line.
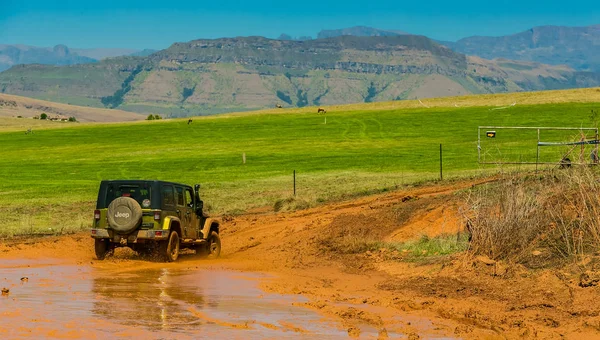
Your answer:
<point x="180" y="196"/>
<point x="168" y="198"/>
<point x="188" y="198"/>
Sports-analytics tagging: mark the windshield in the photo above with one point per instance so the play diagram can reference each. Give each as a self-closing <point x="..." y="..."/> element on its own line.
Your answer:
<point x="137" y="192"/>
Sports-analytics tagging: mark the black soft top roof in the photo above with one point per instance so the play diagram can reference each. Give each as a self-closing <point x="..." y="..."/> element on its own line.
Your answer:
<point x="102" y="202"/>
<point x="141" y="181"/>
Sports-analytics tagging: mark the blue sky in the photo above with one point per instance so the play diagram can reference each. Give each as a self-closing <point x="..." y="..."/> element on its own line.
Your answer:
<point x="157" y="24"/>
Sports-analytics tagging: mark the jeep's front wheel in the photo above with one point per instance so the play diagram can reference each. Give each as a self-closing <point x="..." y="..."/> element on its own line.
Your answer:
<point x="214" y="245"/>
<point x="101" y="247"/>
<point x="170" y="248"/>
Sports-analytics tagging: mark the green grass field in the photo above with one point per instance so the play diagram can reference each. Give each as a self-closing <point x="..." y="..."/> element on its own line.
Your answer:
<point x="50" y="178"/>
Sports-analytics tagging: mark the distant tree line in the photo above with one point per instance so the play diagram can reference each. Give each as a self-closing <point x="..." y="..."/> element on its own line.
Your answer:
<point x="117" y="98"/>
<point x="153" y="117"/>
<point x="281" y="95"/>
<point x="44" y="116"/>
<point x="187" y="92"/>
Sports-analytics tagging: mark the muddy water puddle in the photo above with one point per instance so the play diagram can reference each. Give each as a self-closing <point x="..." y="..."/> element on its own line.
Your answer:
<point x="80" y="301"/>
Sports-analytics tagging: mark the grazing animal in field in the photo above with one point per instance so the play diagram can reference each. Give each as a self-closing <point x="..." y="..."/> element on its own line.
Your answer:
<point x="278" y="106"/>
<point x="321" y="110"/>
<point x="189" y="121"/>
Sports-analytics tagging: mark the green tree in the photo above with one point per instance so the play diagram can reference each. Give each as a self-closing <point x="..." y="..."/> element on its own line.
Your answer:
<point x="43" y="116"/>
<point x="157" y="117"/>
<point x="72" y="119"/>
<point x="150" y="117"/>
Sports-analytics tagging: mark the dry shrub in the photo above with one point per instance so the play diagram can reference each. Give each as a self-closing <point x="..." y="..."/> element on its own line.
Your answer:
<point x="551" y="216"/>
<point x="290" y="204"/>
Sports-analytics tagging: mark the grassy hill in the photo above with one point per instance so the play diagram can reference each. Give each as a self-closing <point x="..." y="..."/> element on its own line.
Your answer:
<point x="50" y="178"/>
<point x="26" y="108"/>
<point x="204" y="77"/>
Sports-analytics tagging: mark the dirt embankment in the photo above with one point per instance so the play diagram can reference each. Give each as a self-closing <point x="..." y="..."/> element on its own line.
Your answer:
<point x="458" y="296"/>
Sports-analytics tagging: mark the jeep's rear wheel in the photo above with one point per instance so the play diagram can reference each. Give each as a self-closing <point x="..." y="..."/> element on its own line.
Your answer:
<point x="170" y="249"/>
<point x="101" y="247"/>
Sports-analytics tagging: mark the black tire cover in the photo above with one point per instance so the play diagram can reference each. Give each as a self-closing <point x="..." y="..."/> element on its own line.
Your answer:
<point x="124" y="214"/>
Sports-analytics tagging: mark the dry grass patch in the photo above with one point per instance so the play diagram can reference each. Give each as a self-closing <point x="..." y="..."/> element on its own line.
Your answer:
<point x="14" y="106"/>
<point x="537" y="220"/>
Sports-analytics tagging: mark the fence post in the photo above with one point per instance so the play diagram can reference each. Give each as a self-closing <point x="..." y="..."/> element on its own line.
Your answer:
<point x="537" y="157"/>
<point x="294" y="183"/>
<point x="441" y="173"/>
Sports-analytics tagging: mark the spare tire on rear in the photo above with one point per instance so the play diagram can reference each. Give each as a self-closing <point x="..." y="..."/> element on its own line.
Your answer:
<point x="124" y="214"/>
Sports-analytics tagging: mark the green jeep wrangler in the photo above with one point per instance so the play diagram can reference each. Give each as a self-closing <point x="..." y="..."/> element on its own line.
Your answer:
<point x="152" y="217"/>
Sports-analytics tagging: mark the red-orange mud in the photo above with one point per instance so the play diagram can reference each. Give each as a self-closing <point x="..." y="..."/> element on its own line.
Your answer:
<point x="276" y="280"/>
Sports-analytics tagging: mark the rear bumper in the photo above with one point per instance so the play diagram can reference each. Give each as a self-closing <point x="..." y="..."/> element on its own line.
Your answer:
<point x="131" y="238"/>
<point x="100" y="233"/>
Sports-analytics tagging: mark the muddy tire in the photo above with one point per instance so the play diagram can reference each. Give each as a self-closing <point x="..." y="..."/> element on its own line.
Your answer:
<point x="101" y="248"/>
<point x="124" y="214"/>
<point x="169" y="250"/>
<point x="213" y="246"/>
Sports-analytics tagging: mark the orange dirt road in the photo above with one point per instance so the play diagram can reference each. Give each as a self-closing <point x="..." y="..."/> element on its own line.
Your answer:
<point x="278" y="279"/>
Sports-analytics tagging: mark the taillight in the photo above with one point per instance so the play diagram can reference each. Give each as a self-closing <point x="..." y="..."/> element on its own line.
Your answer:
<point x="158" y="233"/>
<point x="157" y="215"/>
<point x="97" y="215"/>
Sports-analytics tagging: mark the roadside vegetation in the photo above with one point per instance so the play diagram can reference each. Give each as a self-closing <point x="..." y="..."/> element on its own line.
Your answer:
<point x="537" y="220"/>
<point x="50" y="178"/>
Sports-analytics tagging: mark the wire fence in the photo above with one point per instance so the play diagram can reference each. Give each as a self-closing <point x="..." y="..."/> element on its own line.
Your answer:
<point x="537" y="145"/>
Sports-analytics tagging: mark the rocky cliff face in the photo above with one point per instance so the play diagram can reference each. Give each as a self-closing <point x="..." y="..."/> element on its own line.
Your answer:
<point x="399" y="54"/>
<point x="577" y="47"/>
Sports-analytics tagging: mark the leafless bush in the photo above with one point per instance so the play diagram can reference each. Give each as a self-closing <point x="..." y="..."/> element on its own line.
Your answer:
<point x="556" y="214"/>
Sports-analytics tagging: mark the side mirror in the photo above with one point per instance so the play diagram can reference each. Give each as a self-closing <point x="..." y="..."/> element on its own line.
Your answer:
<point x="199" y="203"/>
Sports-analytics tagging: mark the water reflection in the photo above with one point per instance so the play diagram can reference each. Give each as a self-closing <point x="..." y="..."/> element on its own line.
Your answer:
<point x="86" y="302"/>
<point x="155" y="298"/>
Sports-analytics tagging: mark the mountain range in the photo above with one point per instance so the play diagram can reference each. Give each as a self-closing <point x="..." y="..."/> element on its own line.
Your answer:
<point x="234" y="74"/>
<point x="11" y="55"/>
<point x="577" y="47"/>
<point x="359" y="31"/>
<point x="357" y="64"/>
